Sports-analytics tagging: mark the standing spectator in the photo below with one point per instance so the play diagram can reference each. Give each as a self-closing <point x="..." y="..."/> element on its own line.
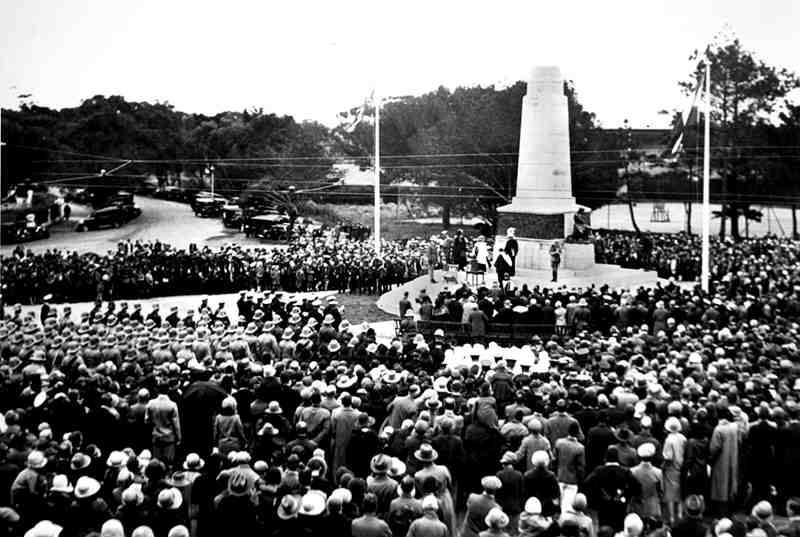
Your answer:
<point x="162" y="415"/>
<point x="648" y="502"/>
<point x="478" y="506"/>
<point x="724" y="453"/>
<point x="570" y="458"/>
<point x="692" y="525"/>
<point x="673" y="456"/>
<point x="429" y="524"/>
<point x="610" y="488"/>
<point x="369" y="525"/>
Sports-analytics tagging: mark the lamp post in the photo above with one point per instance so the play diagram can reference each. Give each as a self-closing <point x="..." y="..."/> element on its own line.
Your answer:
<point x="210" y="171"/>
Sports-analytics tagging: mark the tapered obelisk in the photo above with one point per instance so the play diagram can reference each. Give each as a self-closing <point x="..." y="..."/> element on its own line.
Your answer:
<point x="543" y="209"/>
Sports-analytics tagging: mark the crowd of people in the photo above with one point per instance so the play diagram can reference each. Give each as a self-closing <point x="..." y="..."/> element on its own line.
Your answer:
<point x="146" y="269"/>
<point x="657" y="410"/>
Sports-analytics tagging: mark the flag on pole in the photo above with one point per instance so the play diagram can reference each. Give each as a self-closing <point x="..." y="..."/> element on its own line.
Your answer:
<point x="361" y="114"/>
<point x="686" y="117"/>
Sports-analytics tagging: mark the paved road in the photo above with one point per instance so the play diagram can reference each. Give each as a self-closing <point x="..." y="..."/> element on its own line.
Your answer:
<point x="170" y="222"/>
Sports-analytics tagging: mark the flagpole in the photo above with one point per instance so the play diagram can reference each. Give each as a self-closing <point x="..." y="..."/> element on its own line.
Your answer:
<point x="377" y="208"/>
<point x="705" y="272"/>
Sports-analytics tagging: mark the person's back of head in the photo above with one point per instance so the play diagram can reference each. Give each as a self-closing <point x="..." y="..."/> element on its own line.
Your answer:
<point x="370" y="503"/>
<point x="407" y="485"/>
<point x="574" y="429"/>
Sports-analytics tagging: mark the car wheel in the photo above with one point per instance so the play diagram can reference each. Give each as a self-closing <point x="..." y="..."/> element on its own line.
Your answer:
<point x="80" y="228"/>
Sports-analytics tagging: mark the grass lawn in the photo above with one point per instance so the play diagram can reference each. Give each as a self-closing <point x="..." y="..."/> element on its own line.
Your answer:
<point x="395" y="224"/>
<point x="359" y="308"/>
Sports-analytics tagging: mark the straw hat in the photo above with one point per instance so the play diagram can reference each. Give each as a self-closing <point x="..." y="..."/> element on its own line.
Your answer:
<point x="61" y="484"/>
<point x="288" y="508"/>
<point x="86" y="486"/>
<point x="313" y="503"/>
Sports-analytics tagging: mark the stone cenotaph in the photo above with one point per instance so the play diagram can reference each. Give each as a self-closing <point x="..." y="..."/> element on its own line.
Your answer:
<point x="543" y="209"/>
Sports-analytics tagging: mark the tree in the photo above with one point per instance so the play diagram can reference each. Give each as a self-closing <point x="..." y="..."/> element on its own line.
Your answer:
<point x="745" y="92"/>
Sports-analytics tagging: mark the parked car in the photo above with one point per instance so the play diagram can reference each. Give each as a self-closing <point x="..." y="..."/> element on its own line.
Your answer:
<point x="208" y="207"/>
<point x="20" y="231"/>
<point x="231" y="216"/>
<point x="112" y="216"/>
<point x="268" y="226"/>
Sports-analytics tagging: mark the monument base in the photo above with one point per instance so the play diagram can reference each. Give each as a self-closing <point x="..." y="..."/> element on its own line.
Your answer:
<point x="534" y="254"/>
<point x="544" y="218"/>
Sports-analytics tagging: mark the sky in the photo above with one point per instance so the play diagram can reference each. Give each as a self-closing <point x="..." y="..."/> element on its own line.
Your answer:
<point x="313" y="59"/>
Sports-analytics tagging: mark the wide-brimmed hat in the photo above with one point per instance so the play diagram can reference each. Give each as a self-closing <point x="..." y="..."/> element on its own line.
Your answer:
<point x="426" y="453"/>
<point x="86" y="486"/>
<point x="116" y="459"/>
<point x="491" y="483"/>
<point x="61" y="484"/>
<point x="380" y="464"/>
<point x="179" y="479"/>
<point x="288" y="333"/>
<point x="274" y="407"/>
<point x="646" y="450"/>
<point x="44" y="528"/>
<point x="673" y="424"/>
<point x="306" y="332"/>
<point x="313" y="503"/>
<point x="170" y="498"/>
<point x="397" y="468"/>
<point x="289" y="507"/>
<point x="37" y="460"/>
<point x="334" y="346"/>
<point x="238" y="484"/>
<point x="80" y="461"/>
<point x="193" y="462"/>
<point x="346" y="382"/>
<point x="133" y="495"/>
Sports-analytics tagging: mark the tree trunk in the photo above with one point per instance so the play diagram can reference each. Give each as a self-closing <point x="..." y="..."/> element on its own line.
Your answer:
<point x="687" y="206"/>
<point x="446" y="216"/>
<point x="735" y="222"/>
<point x="794" y="222"/>
<point x="633" y="217"/>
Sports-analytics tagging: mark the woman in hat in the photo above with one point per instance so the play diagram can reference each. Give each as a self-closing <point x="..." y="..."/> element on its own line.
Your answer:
<point x="228" y="429"/>
<point x="29" y="487"/>
<point x="288" y="523"/>
<point x="89" y="510"/>
<point x="59" y="500"/>
<point x="132" y="511"/>
<point x="168" y="512"/>
<point x="427" y="456"/>
<point x="496" y="522"/>
<point x="673" y="454"/>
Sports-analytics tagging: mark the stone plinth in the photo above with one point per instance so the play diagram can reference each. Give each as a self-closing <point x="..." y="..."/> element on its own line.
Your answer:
<point x="534" y="254"/>
<point x="539" y="226"/>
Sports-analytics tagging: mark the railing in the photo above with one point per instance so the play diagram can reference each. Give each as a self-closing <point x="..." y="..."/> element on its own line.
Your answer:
<point x="508" y="333"/>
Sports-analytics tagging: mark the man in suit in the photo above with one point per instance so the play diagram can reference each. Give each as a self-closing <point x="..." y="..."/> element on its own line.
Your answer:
<point x="570" y="458"/>
<point x="512" y="249"/>
<point x="610" y="488"/>
<point x="478" y="506"/>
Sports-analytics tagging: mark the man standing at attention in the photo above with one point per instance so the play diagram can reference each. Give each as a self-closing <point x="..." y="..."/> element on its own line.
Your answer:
<point x="555" y="259"/>
<point x="162" y="414"/>
<point x="512" y="249"/>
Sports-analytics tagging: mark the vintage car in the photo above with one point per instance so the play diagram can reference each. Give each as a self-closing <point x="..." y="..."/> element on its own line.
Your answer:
<point x="268" y="226"/>
<point x="208" y="207"/>
<point x="112" y="216"/>
<point x="21" y="231"/>
<point x="232" y="216"/>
